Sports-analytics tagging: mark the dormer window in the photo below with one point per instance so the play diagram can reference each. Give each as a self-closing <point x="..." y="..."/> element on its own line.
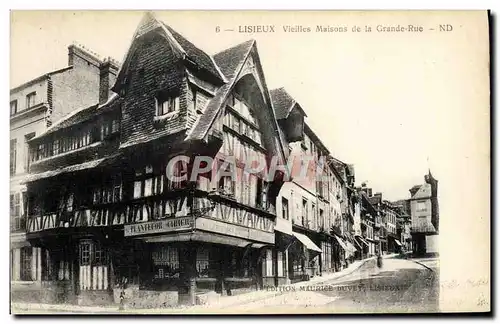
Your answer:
<point x="166" y="104"/>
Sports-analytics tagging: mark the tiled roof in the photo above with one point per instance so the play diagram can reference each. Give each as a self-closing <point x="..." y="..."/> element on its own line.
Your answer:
<point x="68" y="169"/>
<point x="375" y="200"/>
<point x="231" y="61"/>
<point x="194" y="53"/>
<point x="76" y="117"/>
<point x="282" y="102"/>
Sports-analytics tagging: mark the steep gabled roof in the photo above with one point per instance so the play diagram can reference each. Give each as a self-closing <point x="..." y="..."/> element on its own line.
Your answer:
<point x="283" y="103"/>
<point x="180" y="45"/>
<point x="232" y="61"/>
<point x="202" y="59"/>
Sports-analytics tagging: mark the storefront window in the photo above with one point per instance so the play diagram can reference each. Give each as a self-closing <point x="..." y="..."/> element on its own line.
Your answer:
<point x="281" y="264"/>
<point x="267" y="264"/>
<point x="46" y="265"/>
<point x="26" y="263"/>
<point x="166" y="262"/>
<point x="203" y="262"/>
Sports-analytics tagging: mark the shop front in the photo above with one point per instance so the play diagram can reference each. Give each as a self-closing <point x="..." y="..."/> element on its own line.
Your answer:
<point x="188" y="259"/>
<point x="302" y="258"/>
<point x="364" y="246"/>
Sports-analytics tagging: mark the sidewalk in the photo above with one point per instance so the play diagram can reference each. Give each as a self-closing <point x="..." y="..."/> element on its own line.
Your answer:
<point x="225" y="301"/>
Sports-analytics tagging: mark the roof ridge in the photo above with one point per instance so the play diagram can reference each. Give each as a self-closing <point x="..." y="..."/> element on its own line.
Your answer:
<point x="251" y="40"/>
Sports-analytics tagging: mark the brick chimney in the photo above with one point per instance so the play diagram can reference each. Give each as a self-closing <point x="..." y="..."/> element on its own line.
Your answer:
<point x="378" y="194"/>
<point x="108" y="72"/>
<point x="82" y="56"/>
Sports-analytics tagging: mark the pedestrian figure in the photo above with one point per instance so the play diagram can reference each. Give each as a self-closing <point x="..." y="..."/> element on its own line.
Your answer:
<point x="122" y="293"/>
<point x="379" y="260"/>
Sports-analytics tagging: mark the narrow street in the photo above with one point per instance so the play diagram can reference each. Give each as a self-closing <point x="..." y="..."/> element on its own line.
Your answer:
<point x="400" y="286"/>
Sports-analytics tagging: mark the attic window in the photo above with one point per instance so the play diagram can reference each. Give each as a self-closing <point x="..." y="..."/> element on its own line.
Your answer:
<point x="166" y="104"/>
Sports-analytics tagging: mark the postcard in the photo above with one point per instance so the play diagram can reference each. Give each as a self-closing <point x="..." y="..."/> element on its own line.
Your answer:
<point x="249" y="162"/>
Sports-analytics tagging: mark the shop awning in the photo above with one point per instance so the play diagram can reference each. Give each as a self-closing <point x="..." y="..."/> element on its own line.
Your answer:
<point x="307" y="242"/>
<point x="362" y="240"/>
<point x="342" y="243"/>
<point x="203" y="237"/>
<point x="398" y="243"/>
<point x="351" y="247"/>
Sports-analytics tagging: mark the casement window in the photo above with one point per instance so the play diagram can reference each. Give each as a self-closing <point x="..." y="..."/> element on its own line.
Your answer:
<point x="109" y="127"/>
<point x="13" y="156"/>
<point x="166" y="104"/>
<point x="26" y="263"/>
<point x="92" y="253"/>
<point x="322" y="219"/>
<point x="166" y="262"/>
<point x="314" y="216"/>
<point x="148" y="182"/>
<point x="105" y="130"/>
<point x="15" y="211"/>
<point x="115" y="126"/>
<point x="13" y="107"/>
<point x="55" y="147"/>
<point x="109" y="192"/>
<point x="261" y="195"/>
<point x="41" y="151"/>
<point x="284" y="208"/>
<point x="27" y="137"/>
<point x="421" y="206"/>
<point x="305" y="217"/>
<point x="85" y="252"/>
<point x="226" y="184"/>
<point x="30" y="100"/>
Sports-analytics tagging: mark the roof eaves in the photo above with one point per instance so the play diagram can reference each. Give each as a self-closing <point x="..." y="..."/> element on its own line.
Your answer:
<point x="39" y="78"/>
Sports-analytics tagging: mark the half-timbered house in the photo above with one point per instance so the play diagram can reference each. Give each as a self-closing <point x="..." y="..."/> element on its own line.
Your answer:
<point x="102" y="203"/>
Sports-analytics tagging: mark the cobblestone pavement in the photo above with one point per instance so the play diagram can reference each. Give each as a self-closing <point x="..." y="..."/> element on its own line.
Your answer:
<point x="400" y="286"/>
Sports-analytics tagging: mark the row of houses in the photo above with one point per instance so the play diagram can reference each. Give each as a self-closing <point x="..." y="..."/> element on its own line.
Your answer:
<point x="102" y="205"/>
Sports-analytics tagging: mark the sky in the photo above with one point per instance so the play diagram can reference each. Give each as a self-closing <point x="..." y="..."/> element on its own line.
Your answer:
<point x="380" y="101"/>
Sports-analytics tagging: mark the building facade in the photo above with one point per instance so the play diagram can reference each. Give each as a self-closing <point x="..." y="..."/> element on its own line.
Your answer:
<point x="404" y="224"/>
<point x="122" y="213"/>
<point x="425" y="216"/>
<point x="310" y="204"/>
<point x="34" y="107"/>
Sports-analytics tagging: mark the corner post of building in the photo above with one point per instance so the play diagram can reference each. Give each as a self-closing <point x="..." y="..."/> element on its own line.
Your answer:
<point x="187" y="291"/>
